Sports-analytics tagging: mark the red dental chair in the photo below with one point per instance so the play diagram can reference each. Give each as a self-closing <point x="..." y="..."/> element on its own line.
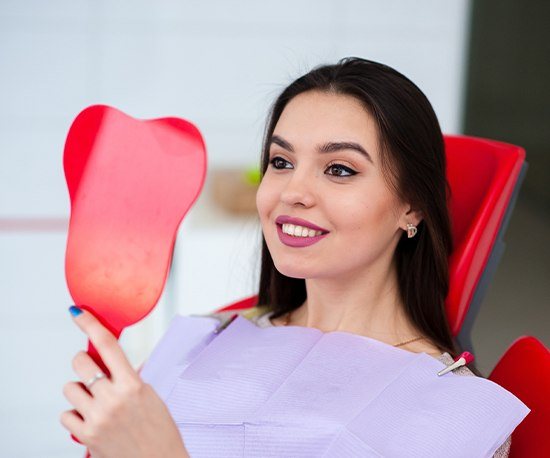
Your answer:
<point x="485" y="177"/>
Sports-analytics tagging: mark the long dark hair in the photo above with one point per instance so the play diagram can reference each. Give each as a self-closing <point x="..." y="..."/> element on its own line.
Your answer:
<point x="413" y="163"/>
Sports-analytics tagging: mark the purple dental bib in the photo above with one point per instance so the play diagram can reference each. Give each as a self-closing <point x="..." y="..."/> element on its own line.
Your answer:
<point x="298" y="392"/>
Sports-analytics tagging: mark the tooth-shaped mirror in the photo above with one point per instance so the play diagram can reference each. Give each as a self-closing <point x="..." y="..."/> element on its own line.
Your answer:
<point x="131" y="182"/>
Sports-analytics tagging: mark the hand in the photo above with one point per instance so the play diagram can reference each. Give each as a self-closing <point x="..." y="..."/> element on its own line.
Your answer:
<point x="120" y="416"/>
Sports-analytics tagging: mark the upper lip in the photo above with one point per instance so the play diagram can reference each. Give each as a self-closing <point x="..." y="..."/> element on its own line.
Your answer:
<point x="285" y="219"/>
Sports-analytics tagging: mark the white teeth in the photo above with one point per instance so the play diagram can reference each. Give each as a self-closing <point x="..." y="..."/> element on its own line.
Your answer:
<point x="299" y="231"/>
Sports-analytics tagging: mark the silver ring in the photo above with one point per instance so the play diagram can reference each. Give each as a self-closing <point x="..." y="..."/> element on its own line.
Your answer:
<point x="95" y="378"/>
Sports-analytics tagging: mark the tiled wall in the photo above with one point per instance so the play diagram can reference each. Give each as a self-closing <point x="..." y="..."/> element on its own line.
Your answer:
<point x="216" y="63"/>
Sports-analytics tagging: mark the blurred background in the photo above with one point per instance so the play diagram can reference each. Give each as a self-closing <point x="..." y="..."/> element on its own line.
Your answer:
<point x="484" y="65"/>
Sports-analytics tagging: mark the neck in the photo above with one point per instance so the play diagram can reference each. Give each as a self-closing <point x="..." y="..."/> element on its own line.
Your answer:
<point x="366" y="304"/>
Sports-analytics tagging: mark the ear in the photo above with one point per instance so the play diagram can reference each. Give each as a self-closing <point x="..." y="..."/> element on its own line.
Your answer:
<point x="410" y="216"/>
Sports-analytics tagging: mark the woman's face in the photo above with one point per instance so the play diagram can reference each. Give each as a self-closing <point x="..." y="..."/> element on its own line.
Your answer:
<point x="325" y="171"/>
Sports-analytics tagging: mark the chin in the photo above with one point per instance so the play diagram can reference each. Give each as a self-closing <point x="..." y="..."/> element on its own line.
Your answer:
<point x="292" y="271"/>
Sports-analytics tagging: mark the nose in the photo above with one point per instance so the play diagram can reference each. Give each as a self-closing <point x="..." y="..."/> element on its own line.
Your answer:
<point x="299" y="191"/>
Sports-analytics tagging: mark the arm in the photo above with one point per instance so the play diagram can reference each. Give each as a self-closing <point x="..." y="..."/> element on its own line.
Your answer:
<point x="120" y="416"/>
<point x="504" y="450"/>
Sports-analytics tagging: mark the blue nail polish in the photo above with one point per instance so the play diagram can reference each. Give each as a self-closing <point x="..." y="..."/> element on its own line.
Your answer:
<point x="75" y="311"/>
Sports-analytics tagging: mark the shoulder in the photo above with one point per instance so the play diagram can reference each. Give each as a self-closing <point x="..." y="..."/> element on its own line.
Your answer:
<point x="253" y="313"/>
<point x="447" y="359"/>
<point x="504" y="450"/>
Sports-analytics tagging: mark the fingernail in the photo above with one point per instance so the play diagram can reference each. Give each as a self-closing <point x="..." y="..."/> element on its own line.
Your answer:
<point x="75" y="311"/>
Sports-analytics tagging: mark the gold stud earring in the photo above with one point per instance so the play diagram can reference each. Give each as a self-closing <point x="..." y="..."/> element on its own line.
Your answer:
<point x="411" y="230"/>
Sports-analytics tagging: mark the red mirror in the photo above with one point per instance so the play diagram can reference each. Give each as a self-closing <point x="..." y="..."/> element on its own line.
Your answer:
<point x="131" y="182"/>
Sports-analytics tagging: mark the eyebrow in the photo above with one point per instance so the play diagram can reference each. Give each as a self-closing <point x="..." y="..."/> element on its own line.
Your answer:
<point x="329" y="147"/>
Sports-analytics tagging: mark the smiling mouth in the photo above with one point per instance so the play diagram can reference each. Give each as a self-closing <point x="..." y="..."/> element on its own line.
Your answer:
<point x="297" y="231"/>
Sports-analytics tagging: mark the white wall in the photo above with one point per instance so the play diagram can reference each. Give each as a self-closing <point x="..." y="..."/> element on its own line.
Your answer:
<point x="216" y="63"/>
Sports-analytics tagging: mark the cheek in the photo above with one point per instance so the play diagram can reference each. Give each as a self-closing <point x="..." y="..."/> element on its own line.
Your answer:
<point x="370" y="213"/>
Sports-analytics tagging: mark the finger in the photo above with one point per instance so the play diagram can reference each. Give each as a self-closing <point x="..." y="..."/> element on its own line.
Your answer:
<point x="106" y="344"/>
<point x="73" y="422"/>
<point x="79" y="397"/>
<point x="86" y="369"/>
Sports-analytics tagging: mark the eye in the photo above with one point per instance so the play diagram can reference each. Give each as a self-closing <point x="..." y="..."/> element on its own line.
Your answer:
<point x="280" y="163"/>
<point x="341" y="171"/>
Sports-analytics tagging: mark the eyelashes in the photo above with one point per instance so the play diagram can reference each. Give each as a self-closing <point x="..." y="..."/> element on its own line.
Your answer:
<point x="338" y="170"/>
<point x="279" y="163"/>
<point x="342" y="169"/>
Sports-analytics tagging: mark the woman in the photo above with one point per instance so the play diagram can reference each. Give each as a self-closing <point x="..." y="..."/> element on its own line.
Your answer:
<point x="353" y="208"/>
